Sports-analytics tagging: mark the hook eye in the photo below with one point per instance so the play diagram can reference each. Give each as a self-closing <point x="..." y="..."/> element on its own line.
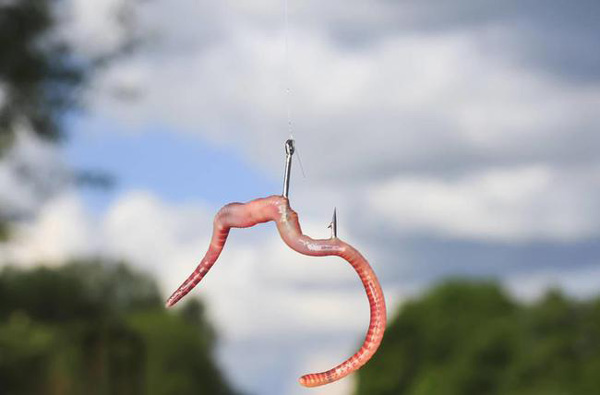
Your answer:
<point x="289" y="147"/>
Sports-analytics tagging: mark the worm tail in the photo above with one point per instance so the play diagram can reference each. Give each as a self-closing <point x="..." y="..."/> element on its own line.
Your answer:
<point x="232" y="215"/>
<point x="376" y="325"/>
<point x="219" y="237"/>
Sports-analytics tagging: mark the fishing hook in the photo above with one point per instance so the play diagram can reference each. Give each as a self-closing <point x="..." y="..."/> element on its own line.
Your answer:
<point x="277" y="209"/>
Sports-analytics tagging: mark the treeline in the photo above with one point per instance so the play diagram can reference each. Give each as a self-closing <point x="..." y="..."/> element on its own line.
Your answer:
<point x="466" y="338"/>
<point x="100" y="328"/>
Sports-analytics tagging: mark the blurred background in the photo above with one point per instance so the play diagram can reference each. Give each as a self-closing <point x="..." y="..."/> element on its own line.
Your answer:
<point x="458" y="140"/>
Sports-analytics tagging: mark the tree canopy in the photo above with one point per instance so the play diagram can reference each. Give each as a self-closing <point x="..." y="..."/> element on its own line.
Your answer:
<point x="100" y="328"/>
<point x="39" y="76"/>
<point x="42" y="79"/>
<point x="471" y="338"/>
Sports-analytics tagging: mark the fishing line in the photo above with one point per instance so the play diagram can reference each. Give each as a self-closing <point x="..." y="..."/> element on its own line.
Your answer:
<point x="288" y="91"/>
<point x="287" y="82"/>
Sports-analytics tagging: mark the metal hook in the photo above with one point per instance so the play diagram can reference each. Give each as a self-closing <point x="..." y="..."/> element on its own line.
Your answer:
<point x="289" y="151"/>
<point x="333" y="224"/>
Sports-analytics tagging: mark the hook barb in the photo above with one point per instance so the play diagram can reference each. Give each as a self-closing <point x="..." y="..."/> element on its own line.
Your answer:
<point x="333" y="224"/>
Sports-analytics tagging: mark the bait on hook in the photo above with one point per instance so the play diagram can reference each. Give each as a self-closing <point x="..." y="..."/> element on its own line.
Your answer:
<point x="277" y="209"/>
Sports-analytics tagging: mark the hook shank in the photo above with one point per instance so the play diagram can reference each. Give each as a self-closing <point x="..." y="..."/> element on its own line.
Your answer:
<point x="289" y="151"/>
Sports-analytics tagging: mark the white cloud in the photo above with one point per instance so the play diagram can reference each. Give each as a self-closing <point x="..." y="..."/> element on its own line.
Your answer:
<point x="62" y="230"/>
<point x="30" y="172"/>
<point x="519" y="204"/>
<point x="95" y="28"/>
<point x="418" y="103"/>
<point x="580" y="282"/>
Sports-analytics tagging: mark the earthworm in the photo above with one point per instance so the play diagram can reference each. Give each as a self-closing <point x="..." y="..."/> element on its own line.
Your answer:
<point x="276" y="208"/>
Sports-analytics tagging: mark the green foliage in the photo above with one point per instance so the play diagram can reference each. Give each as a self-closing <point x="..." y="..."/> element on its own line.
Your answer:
<point x="24" y="350"/>
<point x="177" y="352"/>
<point x="42" y="80"/>
<point x="98" y="328"/>
<point x="3" y="231"/>
<point x="38" y="74"/>
<point x="468" y="338"/>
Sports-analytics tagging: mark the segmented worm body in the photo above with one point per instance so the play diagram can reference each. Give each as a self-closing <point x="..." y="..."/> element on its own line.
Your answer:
<point x="277" y="209"/>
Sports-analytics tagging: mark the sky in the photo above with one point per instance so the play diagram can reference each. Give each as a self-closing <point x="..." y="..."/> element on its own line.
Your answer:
<point x="455" y="139"/>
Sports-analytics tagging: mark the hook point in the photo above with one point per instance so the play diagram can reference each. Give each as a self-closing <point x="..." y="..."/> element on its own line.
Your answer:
<point x="333" y="224"/>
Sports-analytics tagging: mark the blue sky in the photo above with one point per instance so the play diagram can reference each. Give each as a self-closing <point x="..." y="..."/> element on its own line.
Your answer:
<point x="177" y="167"/>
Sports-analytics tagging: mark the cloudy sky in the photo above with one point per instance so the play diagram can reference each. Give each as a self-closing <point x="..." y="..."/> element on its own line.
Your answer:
<point x="455" y="138"/>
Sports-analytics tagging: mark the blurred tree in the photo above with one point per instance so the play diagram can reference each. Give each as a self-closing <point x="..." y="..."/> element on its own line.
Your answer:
<point x="25" y="347"/>
<point x="179" y="356"/>
<point x="39" y="78"/>
<point x="98" y="328"/>
<point x="3" y="231"/>
<point x="42" y="79"/>
<point x="468" y="338"/>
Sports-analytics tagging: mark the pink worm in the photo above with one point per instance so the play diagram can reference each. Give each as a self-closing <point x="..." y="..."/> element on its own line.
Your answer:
<point x="277" y="208"/>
